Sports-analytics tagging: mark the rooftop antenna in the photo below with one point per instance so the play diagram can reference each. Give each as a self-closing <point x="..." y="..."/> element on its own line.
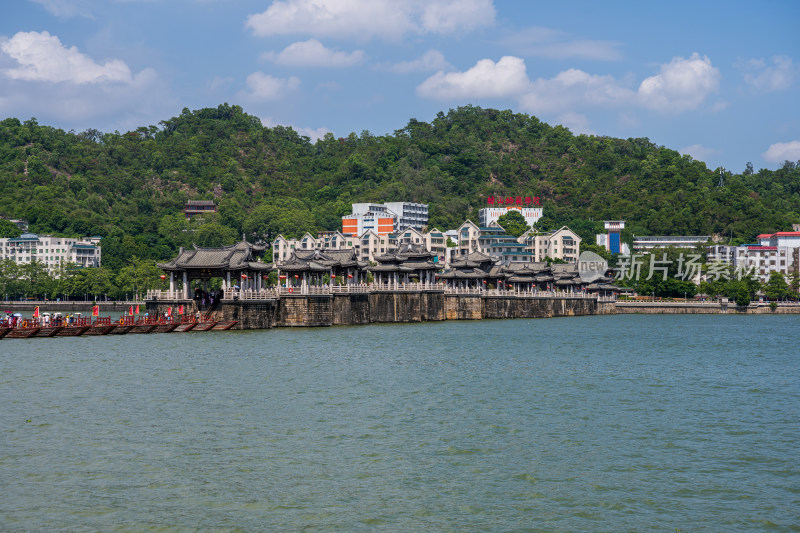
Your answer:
<point x="721" y="182"/>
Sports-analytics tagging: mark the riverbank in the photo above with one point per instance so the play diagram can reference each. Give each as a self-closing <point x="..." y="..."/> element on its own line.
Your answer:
<point x="704" y="308"/>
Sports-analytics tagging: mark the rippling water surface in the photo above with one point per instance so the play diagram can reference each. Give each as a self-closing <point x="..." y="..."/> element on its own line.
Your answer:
<point x="619" y="423"/>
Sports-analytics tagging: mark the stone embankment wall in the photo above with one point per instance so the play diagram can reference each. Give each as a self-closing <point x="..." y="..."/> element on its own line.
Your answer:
<point x="707" y="308"/>
<point x="386" y="307"/>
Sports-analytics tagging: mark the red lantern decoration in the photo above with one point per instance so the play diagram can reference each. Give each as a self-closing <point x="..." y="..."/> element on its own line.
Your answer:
<point x="484" y="282"/>
<point x="350" y="276"/>
<point x="244" y="276"/>
<point x="265" y="276"/>
<point x="281" y="277"/>
<point x="296" y="276"/>
<point x="163" y="276"/>
<point x="333" y="276"/>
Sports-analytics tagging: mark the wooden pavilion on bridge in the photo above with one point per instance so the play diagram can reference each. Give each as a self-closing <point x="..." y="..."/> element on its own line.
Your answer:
<point x="308" y="268"/>
<point x="406" y="263"/>
<point x="239" y="265"/>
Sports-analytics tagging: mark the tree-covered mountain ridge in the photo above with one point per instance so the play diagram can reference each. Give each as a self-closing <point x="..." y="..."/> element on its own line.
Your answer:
<point x="130" y="187"/>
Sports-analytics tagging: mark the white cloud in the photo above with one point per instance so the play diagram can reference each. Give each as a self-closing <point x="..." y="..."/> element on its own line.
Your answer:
<point x="777" y="76"/>
<point x="313" y="133"/>
<point x="699" y="152"/>
<point x="574" y="88"/>
<point x="577" y="123"/>
<point x="780" y="152"/>
<point x="487" y="79"/>
<point x="312" y="53"/>
<point x="66" y="8"/>
<point x="555" y="44"/>
<point x="448" y="16"/>
<point x="365" y="19"/>
<point x="220" y="83"/>
<point x="42" y="57"/>
<point x="41" y="77"/>
<point x="682" y="84"/>
<point x="264" y="87"/>
<point x="431" y="60"/>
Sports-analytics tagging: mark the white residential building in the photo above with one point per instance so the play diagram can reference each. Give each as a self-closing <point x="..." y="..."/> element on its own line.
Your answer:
<point x="52" y="251"/>
<point x="488" y="215"/>
<point x="433" y="241"/>
<point x="468" y="238"/>
<point x="647" y="243"/>
<point x="389" y="217"/>
<point x="775" y="252"/>
<point x="562" y="243"/>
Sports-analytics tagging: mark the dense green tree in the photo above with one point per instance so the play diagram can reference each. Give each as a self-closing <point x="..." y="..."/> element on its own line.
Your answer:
<point x="776" y="287"/>
<point x="8" y="229"/>
<point x="513" y="222"/>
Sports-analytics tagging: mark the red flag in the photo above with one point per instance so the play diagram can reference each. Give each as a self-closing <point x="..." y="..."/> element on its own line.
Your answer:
<point x="180" y="309"/>
<point x="130" y="311"/>
<point x="36" y="312"/>
<point x="137" y="309"/>
<point x="169" y="311"/>
<point x="96" y="310"/>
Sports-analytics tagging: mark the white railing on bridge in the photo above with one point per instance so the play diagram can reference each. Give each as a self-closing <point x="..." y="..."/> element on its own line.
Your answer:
<point x="155" y="294"/>
<point x="323" y="290"/>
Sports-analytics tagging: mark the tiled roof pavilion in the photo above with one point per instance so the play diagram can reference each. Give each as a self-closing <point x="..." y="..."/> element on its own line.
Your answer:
<point x="238" y="262"/>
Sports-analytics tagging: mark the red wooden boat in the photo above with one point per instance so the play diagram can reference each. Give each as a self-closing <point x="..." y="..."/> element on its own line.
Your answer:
<point x="142" y="328"/>
<point x="225" y="325"/>
<point x="204" y="326"/>
<point x="48" y="331"/>
<point x="4" y="331"/>
<point x="120" y="329"/>
<point x="185" y="326"/>
<point x="71" y="331"/>
<point x="22" y="332"/>
<point x="165" y="327"/>
<point x="100" y="330"/>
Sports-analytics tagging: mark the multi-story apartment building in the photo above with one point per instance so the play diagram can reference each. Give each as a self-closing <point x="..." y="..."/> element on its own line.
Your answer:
<point x="647" y="243"/>
<point x="496" y="243"/>
<point x="562" y="243"/>
<point x="383" y="219"/>
<point x="368" y="246"/>
<point x="433" y="241"/>
<point x="775" y="252"/>
<point x="468" y="235"/>
<point x="410" y="215"/>
<point x="52" y="251"/>
<point x="378" y="219"/>
<point x="488" y="215"/>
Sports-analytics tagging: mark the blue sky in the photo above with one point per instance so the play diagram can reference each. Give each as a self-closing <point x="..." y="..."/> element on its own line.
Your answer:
<point x="716" y="80"/>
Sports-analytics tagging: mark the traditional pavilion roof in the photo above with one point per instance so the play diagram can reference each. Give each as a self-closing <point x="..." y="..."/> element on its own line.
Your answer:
<point x="475" y="273"/>
<point x="565" y="268"/>
<point x="321" y="261"/>
<point x="521" y="279"/>
<point x="342" y="258"/>
<point x="475" y="259"/>
<point x="240" y="256"/>
<point x="406" y="252"/>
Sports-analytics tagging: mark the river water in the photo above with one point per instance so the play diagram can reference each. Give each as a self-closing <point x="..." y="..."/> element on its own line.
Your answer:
<point x="613" y="423"/>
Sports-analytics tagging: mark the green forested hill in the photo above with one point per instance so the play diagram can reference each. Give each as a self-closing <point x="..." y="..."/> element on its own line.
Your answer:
<point x="130" y="188"/>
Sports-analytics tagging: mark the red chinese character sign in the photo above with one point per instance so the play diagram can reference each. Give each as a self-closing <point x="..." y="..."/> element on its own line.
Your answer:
<point x="514" y="200"/>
